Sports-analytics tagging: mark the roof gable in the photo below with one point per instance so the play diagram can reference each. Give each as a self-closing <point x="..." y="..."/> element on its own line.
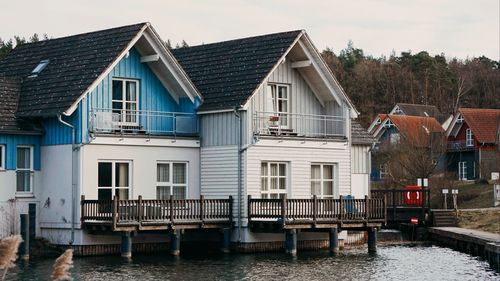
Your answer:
<point x="484" y="123"/>
<point x="415" y="129"/>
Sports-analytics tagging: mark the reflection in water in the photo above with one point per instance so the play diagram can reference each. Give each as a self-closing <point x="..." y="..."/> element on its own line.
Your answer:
<point x="391" y="263"/>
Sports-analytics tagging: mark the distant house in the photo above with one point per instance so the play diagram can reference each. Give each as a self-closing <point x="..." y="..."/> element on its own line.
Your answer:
<point x="413" y="130"/>
<point x="473" y="149"/>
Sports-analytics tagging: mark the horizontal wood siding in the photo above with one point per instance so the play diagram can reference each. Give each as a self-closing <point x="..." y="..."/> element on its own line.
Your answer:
<point x="360" y="159"/>
<point x="12" y="141"/>
<point x="299" y="167"/>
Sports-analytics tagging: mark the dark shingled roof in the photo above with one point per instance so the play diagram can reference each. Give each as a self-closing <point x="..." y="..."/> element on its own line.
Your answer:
<point x="9" y="96"/>
<point x="359" y="134"/>
<point x="227" y="73"/>
<point x="419" y="110"/>
<point x="74" y="63"/>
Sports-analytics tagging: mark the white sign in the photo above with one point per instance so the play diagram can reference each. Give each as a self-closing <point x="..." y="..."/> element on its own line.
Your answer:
<point x="445" y="191"/>
<point x="424" y="183"/>
<point x="454" y="191"/>
<point x="495" y="176"/>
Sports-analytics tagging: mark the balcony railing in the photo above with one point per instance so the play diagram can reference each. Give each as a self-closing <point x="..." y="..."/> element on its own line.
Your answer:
<point x="107" y="121"/>
<point x="298" y="125"/>
<point x="460" y="145"/>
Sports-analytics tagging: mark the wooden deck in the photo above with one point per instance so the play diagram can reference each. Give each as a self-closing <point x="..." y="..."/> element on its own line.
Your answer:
<point x="401" y="206"/>
<point x="144" y="215"/>
<point x="316" y="213"/>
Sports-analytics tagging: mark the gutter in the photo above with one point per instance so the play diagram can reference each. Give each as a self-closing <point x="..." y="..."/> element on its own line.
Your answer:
<point x="73" y="178"/>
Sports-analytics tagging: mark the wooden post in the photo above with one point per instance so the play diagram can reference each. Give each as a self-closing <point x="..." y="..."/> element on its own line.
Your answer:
<point x="315" y="208"/>
<point x="82" y="209"/>
<point x="115" y="211"/>
<point x="385" y="208"/>
<point x="393" y="204"/>
<point x="24" y="248"/>
<point x="171" y="209"/>
<point x="231" y="210"/>
<point x="367" y="208"/>
<point x="202" y="211"/>
<point x="139" y="210"/>
<point x="341" y="211"/>
<point x="283" y="209"/>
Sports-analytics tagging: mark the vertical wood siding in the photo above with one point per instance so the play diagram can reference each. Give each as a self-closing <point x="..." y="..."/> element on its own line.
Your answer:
<point x="360" y="159"/>
<point x="12" y="141"/>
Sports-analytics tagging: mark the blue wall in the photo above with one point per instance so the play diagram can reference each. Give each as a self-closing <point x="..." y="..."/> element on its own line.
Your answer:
<point x="12" y="141"/>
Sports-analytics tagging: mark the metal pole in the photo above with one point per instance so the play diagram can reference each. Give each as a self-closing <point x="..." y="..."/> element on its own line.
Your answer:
<point x="24" y="253"/>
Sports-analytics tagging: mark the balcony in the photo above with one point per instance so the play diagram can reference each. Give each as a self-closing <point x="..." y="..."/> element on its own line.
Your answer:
<point x="461" y="145"/>
<point x="146" y="122"/>
<point x="299" y="125"/>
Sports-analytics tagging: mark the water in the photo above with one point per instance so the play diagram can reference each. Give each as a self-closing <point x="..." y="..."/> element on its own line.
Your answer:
<point x="390" y="263"/>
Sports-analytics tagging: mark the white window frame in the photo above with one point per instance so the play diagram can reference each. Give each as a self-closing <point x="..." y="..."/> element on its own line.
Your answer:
<point x="124" y="101"/>
<point x="389" y="124"/>
<point x="171" y="183"/>
<point x="30" y="169"/>
<point x="469" y="137"/>
<point x="322" y="180"/>
<point x="266" y="194"/>
<point x="113" y="186"/>
<point x="462" y="170"/>
<point x="384" y="171"/>
<point x="2" y="157"/>
<point x="275" y="100"/>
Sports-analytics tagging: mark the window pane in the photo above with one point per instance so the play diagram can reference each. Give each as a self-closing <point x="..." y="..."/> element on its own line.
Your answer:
<point x="282" y="170"/>
<point x="131" y="94"/>
<point x="282" y="92"/>
<point x="23" y="158"/>
<point x="327" y="188"/>
<point x="162" y="192"/>
<point x="274" y="184"/>
<point x="274" y="170"/>
<point x="263" y="184"/>
<point x="117" y="106"/>
<point x="23" y="181"/>
<point x="315" y="172"/>
<point x="179" y="173"/>
<point x="121" y="174"/>
<point x="121" y="193"/>
<point x="315" y="188"/>
<point x="117" y="90"/>
<point x="282" y="183"/>
<point x="104" y="194"/>
<point x="163" y="173"/>
<point x="179" y="192"/>
<point x="328" y="172"/>
<point x="104" y="175"/>
<point x="1" y="156"/>
<point x="263" y="169"/>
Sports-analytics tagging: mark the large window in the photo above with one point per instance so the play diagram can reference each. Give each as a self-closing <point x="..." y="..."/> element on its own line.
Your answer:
<point x="469" y="138"/>
<point x="171" y="180"/>
<point x="114" y="178"/>
<point x="462" y="170"/>
<point x="322" y="180"/>
<point x="24" y="169"/>
<point x="125" y="97"/>
<point x="280" y="103"/>
<point x="273" y="179"/>
<point x="2" y="157"/>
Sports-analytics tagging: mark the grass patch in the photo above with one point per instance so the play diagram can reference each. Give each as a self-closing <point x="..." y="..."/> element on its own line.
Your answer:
<point x="485" y="220"/>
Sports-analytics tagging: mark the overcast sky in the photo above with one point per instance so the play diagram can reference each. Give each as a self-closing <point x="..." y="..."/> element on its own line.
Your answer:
<point x="459" y="28"/>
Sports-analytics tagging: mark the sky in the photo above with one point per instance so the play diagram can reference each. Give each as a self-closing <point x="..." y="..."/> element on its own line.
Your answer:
<point x="458" y="28"/>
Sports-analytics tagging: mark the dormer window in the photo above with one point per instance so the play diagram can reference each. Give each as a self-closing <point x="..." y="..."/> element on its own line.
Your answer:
<point x="460" y="119"/>
<point x="389" y="124"/>
<point x="41" y="66"/>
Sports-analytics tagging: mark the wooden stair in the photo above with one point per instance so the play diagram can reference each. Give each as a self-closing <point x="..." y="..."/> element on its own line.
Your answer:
<point x="444" y="218"/>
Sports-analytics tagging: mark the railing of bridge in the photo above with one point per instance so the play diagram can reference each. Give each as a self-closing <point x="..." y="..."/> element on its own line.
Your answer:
<point x="398" y="198"/>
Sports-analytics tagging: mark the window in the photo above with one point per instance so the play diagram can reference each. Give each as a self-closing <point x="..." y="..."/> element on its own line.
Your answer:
<point x="462" y="170"/>
<point x="41" y="66"/>
<point x="273" y="177"/>
<point x="469" y="138"/>
<point x="394" y="138"/>
<point x="125" y="97"/>
<point x="114" y="177"/>
<point x="280" y="102"/>
<point x="171" y="180"/>
<point x="460" y="118"/>
<point x="322" y="180"/>
<point x="384" y="170"/>
<point x="389" y="124"/>
<point x="2" y="157"/>
<point x="24" y="169"/>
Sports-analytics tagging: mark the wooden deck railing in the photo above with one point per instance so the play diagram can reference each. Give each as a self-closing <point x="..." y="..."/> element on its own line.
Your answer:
<point x="317" y="211"/>
<point x="404" y="198"/>
<point x="146" y="214"/>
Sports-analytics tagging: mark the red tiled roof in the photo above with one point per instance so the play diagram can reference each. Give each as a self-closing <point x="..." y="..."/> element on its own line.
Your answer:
<point x="483" y="122"/>
<point x="415" y="128"/>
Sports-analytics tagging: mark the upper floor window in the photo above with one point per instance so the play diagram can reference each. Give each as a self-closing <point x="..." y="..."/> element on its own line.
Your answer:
<point x="273" y="179"/>
<point x="460" y="118"/>
<point x="389" y="124"/>
<point x="280" y="102"/>
<point x="322" y="181"/>
<point x="125" y="101"/>
<point x="171" y="180"/>
<point x="469" y="138"/>
<point x="2" y="157"/>
<point x="24" y="169"/>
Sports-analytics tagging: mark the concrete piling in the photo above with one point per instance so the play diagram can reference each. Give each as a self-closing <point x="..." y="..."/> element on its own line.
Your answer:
<point x="372" y="240"/>
<point x="126" y="246"/>
<point x="24" y="252"/>
<point x="334" y="241"/>
<point x="291" y="242"/>
<point x="175" y="242"/>
<point x="226" y="240"/>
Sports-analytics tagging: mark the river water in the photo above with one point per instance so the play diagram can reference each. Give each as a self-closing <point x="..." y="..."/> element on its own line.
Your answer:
<point x="390" y="263"/>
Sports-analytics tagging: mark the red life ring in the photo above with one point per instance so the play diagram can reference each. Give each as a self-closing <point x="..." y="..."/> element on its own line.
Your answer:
<point x="413" y="196"/>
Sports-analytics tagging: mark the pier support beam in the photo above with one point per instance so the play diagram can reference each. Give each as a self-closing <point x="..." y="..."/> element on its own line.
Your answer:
<point x="24" y="248"/>
<point x="334" y="241"/>
<point x="126" y="246"/>
<point x="175" y="242"/>
<point x="291" y="242"/>
<point x="372" y="240"/>
<point x="226" y="240"/>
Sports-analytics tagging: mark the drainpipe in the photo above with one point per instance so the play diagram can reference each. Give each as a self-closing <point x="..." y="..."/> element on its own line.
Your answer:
<point x="73" y="178"/>
<point x="240" y="186"/>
